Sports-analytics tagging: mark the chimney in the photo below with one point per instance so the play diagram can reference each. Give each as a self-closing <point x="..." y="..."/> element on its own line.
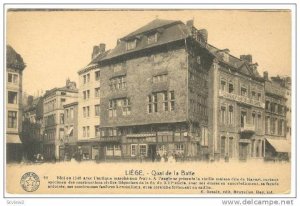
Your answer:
<point x="95" y="51"/>
<point x="246" y="58"/>
<point x="190" y="23"/>
<point x="266" y="75"/>
<point x="101" y="48"/>
<point x="98" y="50"/>
<point x="29" y="100"/>
<point x="203" y="35"/>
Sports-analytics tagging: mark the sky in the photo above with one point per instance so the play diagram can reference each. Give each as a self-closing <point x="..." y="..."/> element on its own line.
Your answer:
<point x="56" y="44"/>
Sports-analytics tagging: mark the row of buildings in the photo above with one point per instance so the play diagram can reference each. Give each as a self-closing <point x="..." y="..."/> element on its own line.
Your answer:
<point x="163" y="90"/>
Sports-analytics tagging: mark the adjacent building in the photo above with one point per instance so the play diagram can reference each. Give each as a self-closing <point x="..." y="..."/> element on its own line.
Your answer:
<point x="236" y="107"/>
<point x="89" y="106"/>
<point x="154" y="93"/>
<point x="53" y="125"/>
<point x="276" y="119"/>
<point x="69" y="148"/>
<point x="32" y="127"/>
<point x="14" y="74"/>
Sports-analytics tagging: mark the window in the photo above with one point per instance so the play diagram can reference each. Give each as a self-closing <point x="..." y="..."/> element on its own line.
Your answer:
<point x="253" y="94"/>
<point x="267" y="125"/>
<point x="131" y="45"/>
<point x="230" y="147"/>
<point x="84" y="95"/>
<point x="84" y="132"/>
<point x="112" y="108"/>
<point x="152" y="38"/>
<point x="71" y="113"/>
<point x="172" y="101"/>
<point x="86" y="78"/>
<point x="230" y="88"/>
<point x="223" y="146"/>
<point x="243" y="118"/>
<point x="110" y="150"/>
<point x="102" y="132"/>
<point x="230" y="109"/>
<point x="126" y="109"/>
<point x="223" y="115"/>
<point x="253" y="118"/>
<point x="61" y="121"/>
<point x="160" y="78"/>
<point x="97" y="110"/>
<point x="243" y="91"/>
<point x="133" y="150"/>
<point x="12" y="78"/>
<point x="143" y="150"/>
<point x="62" y="102"/>
<point x="67" y="114"/>
<point x="84" y="111"/>
<point x="223" y="85"/>
<point x="150" y="104"/>
<point x="259" y="122"/>
<point x="87" y="111"/>
<point x="258" y="96"/>
<point x="154" y="96"/>
<point x="165" y="101"/>
<point x="88" y="94"/>
<point x="267" y="105"/>
<point x="118" y="83"/>
<point x="97" y="131"/>
<point x="12" y="119"/>
<point x="97" y="92"/>
<point x="12" y="97"/>
<point x="179" y="148"/>
<point x="97" y="75"/>
<point x="88" y="131"/>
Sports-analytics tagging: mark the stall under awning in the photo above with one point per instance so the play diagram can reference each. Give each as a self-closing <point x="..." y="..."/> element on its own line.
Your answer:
<point x="13" y="139"/>
<point x="280" y="145"/>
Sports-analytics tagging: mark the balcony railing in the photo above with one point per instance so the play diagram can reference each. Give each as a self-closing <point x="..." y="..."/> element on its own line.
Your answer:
<point x="248" y="128"/>
<point x="242" y="99"/>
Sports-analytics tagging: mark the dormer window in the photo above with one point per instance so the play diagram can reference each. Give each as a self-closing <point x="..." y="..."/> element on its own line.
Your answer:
<point x="131" y="45"/>
<point x="152" y="38"/>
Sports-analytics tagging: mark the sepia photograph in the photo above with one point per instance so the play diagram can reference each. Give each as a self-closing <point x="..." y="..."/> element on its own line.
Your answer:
<point x="148" y="101"/>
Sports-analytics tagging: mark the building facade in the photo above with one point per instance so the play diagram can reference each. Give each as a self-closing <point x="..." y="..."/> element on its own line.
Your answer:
<point x="69" y="148"/>
<point x="32" y="127"/>
<point x="53" y="124"/>
<point x="276" y="119"/>
<point x="14" y="74"/>
<point x="237" y="107"/>
<point x="89" y="106"/>
<point x="154" y="93"/>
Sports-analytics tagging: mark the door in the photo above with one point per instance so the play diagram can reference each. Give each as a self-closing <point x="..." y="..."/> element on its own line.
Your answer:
<point x="152" y="152"/>
<point x="243" y="150"/>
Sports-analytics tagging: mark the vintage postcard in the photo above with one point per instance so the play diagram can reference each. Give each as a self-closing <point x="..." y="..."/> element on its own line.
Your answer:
<point x="148" y="101"/>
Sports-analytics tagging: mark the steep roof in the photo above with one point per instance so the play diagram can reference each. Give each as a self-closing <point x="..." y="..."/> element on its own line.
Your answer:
<point x="240" y="65"/>
<point x="157" y="23"/>
<point x="168" y="31"/>
<point x="13" y="59"/>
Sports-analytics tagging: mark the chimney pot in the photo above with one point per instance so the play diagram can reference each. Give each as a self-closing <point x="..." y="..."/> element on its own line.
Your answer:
<point x="266" y="75"/>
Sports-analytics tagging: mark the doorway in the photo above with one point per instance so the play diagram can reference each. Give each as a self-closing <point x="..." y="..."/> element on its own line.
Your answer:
<point x="243" y="151"/>
<point x="152" y="152"/>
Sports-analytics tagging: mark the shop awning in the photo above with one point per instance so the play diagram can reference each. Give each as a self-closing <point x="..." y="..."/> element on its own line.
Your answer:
<point x="13" y="139"/>
<point x="280" y="145"/>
